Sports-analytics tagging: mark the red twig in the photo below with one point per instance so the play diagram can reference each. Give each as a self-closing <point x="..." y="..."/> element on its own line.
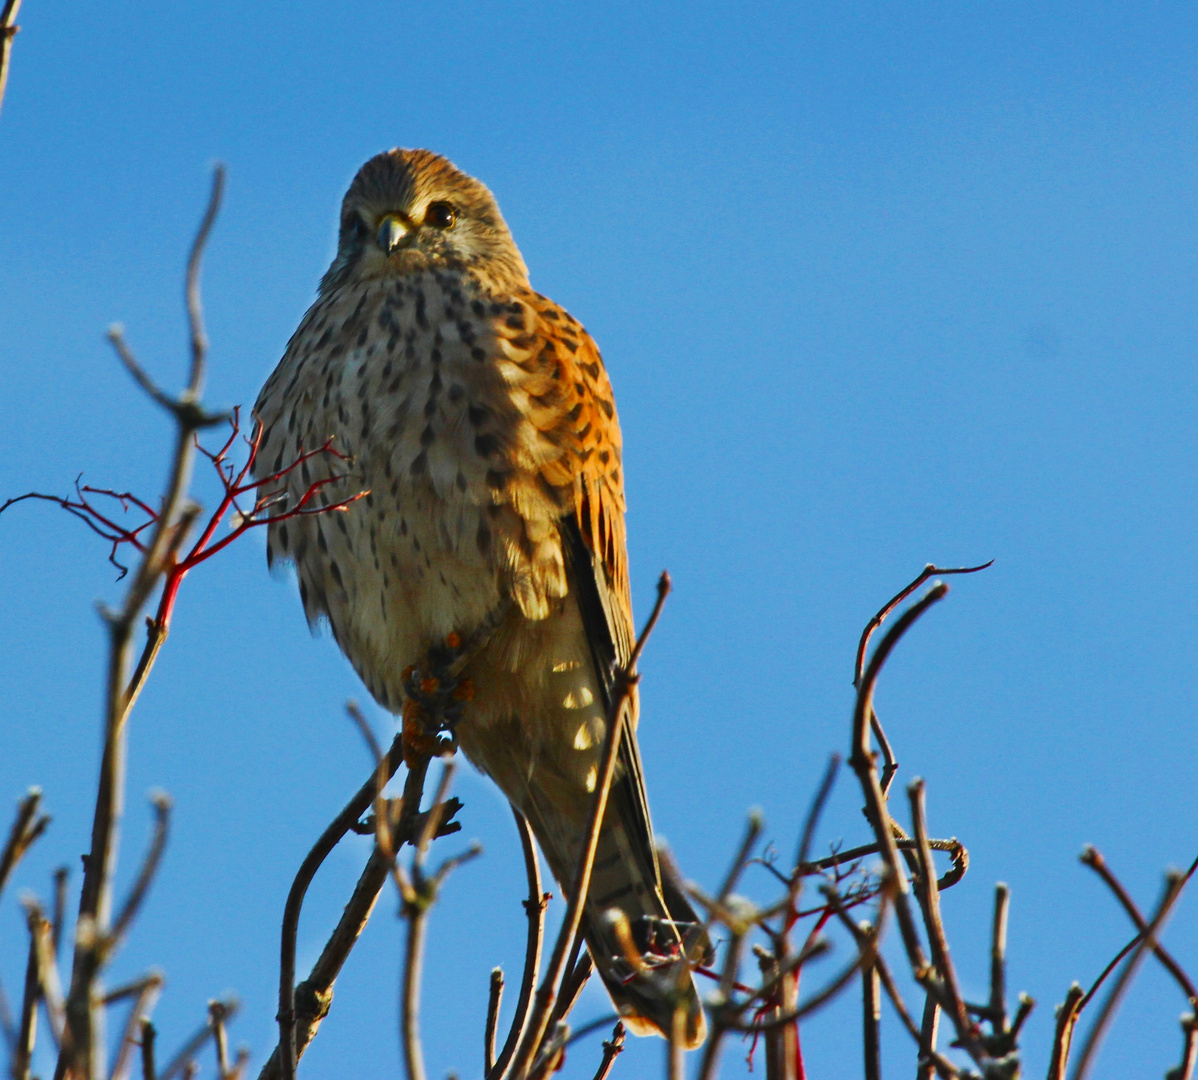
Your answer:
<point x="235" y="483"/>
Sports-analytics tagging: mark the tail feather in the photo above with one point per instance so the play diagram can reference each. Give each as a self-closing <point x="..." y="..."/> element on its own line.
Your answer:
<point x="648" y="985"/>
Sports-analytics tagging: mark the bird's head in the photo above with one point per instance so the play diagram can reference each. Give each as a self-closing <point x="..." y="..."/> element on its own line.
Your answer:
<point x="412" y="210"/>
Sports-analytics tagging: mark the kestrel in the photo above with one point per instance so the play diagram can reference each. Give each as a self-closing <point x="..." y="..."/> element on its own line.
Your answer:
<point x="480" y="417"/>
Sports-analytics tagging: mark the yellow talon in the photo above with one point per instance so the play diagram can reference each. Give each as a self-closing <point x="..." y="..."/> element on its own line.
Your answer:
<point x="453" y="641"/>
<point x="428" y="686"/>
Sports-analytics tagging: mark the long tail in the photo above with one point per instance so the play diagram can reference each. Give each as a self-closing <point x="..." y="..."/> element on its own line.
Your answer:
<point x="637" y="940"/>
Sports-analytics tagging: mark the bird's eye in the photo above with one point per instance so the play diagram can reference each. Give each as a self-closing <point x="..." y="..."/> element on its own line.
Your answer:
<point x="358" y="229"/>
<point x="440" y="215"/>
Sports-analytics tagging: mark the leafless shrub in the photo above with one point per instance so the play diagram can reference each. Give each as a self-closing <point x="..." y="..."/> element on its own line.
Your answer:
<point x="782" y="936"/>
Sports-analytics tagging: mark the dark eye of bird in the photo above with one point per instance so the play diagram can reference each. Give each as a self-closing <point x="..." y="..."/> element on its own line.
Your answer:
<point x="440" y="215"/>
<point x="358" y="229"/>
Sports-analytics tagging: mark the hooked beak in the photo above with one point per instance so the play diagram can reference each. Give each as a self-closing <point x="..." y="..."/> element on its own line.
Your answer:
<point x="392" y="232"/>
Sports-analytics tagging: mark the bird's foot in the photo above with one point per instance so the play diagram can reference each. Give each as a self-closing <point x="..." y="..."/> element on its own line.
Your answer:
<point x="434" y="697"/>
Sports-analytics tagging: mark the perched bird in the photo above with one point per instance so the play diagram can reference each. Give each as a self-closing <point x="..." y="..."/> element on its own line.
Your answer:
<point x="479" y="416"/>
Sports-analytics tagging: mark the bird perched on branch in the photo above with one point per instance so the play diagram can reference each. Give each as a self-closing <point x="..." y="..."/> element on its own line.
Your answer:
<point x="484" y="578"/>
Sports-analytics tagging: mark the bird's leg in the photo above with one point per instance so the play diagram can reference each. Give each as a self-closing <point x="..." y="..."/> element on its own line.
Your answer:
<point x="435" y="694"/>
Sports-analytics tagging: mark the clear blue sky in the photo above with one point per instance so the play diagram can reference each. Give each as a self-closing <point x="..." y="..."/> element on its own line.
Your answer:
<point x="877" y="285"/>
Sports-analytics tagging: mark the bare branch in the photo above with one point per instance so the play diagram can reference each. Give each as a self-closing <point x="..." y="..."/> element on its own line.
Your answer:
<point x="315" y="994"/>
<point x="1173" y="886"/>
<point x="329" y="839"/>
<point x="534" y="908"/>
<point x="1067" y="1014"/>
<point x="871" y="1021"/>
<point x="26" y="828"/>
<point x="415" y="910"/>
<point x="195" y="312"/>
<point x="47" y="971"/>
<point x="22" y="1056"/>
<point x="184" y="1059"/>
<point x="1189" y="1050"/>
<point x="612" y="1049"/>
<point x="147" y="991"/>
<point x="1092" y="858"/>
<point x="928" y="572"/>
<point x="929" y="898"/>
<point x="494" y="999"/>
<point x="8" y="30"/>
<point x="220" y="1038"/>
<point x="409" y="1010"/>
<point x="61" y="877"/>
<point x="82" y="1051"/>
<point x="998" y="958"/>
<point x="162" y="816"/>
<point x="574" y="983"/>
<point x="148" y="1035"/>
<point x="862" y="761"/>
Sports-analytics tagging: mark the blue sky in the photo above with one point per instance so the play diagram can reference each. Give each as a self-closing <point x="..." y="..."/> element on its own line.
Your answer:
<point x="877" y="285"/>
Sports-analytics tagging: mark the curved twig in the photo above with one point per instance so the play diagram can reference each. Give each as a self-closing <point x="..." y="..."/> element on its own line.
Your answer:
<point x="862" y="761"/>
<point x="162" y="819"/>
<point x="534" y="906"/>
<point x="329" y="839"/>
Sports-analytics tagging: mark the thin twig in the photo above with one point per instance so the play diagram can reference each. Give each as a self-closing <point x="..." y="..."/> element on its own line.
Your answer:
<point x="612" y="1049"/>
<point x="889" y="762"/>
<point x="48" y="984"/>
<point x="1173" y="886"/>
<point x="417" y="900"/>
<point x="811" y="822"/>
<point x="862" y="761"/>
<point x="960" y="859"/>
<point x="314" y="995"/>
<point x="81" y="1053"/>
<point x="22" y="1056"/>
<point x="148" y="1034"/>
<point x="26" y="828"/>
<point x="720" y="1007"/>
<point x="220" y="1038"/>
<point x="8" y="30"/>
<point x="572" y="986"/>
<point x="1092" y="858"/>
<point x="928" y="572"/>
<point x="494" y="999"/>
<point x="1189" y="1050"/>
<point x="58" y="919"/>
<point x="871" y="1021"/>
<point x="147" y="991"/>
<point x="409" y="1005"/>
<point x="185" y="1057"/>
<point x="929" y="898"/>
<point x="534" y="908"/>
<point x="329" y="839"/>
<point x="1067" y="1014"/>
<point x="624" y="684"/>
<point x="998" y="959"/>
<point x="812" y="1004"/>
<point x="162" y="817"/>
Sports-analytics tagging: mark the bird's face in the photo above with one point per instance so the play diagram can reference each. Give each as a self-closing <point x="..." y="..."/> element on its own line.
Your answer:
<point x="411" y="210"/>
